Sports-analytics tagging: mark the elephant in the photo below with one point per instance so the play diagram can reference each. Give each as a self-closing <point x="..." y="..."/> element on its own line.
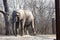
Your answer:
<point x="25" y="18"/>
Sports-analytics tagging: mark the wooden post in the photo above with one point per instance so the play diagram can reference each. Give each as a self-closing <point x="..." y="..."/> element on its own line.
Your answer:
<point x="57" y="19"/>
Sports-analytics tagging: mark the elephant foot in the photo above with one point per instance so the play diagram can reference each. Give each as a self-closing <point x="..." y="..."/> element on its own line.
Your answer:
<point x="34" y="33"/>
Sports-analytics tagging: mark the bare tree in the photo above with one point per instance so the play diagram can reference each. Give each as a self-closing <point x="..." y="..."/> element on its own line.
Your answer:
<point x="6" y="16"/>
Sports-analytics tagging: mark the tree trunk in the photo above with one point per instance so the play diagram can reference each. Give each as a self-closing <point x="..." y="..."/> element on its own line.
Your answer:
<point x="6" y="16"/>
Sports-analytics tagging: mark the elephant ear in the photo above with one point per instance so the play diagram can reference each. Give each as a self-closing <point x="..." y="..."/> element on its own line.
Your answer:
<point x="18" y="14"/>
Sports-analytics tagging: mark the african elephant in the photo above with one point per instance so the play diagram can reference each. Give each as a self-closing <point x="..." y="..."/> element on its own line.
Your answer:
<point x="25" y="18"/>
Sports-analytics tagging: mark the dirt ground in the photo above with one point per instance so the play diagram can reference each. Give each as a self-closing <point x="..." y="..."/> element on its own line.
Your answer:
<point x="28" y="37"/>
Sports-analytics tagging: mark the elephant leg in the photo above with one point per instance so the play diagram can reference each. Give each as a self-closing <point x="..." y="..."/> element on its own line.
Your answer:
<point x="23" y="24"/>
<point x="21" y="28"/>
<point x="25" y="29"/>
<point x="32" y="26"/>
<point x="17" y="25"/>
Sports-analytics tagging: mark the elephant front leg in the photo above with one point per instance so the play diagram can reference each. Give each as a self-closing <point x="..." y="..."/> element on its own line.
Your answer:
<point x="20" y="28"/>
<point x="33" y="29"/>
<point x="23" y="28"/>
